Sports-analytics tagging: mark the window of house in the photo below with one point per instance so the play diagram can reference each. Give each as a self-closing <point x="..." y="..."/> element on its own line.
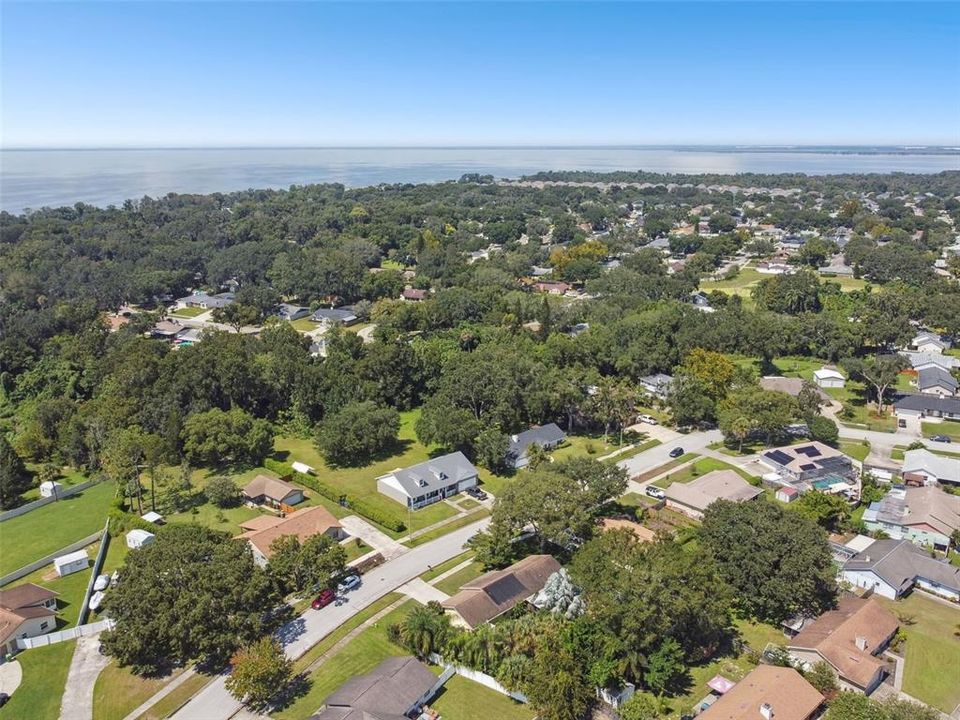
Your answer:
<point x="43" y="625"/>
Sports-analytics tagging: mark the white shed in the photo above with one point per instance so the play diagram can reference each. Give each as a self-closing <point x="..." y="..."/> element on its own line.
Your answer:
<point x="74" y="562"/>
<point x="829" y="378"/>
<point x="50" y="488"/>
<point x="301" y="467"/>
<point x="152" y="517"/>
<point x="138" y="538"/>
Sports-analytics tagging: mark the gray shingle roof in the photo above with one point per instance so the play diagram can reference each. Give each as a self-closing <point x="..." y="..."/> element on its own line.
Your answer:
<point x="434" y="474"/>
<point x="899" y="563"/>
<point x="544" y="435"/>
<point x="929" y="403"/>
<point x="389" y="690"/>
<point x="933" y="376"/>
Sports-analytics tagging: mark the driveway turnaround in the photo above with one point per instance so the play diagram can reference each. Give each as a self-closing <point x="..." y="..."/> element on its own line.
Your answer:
<point x="299" y="635"/>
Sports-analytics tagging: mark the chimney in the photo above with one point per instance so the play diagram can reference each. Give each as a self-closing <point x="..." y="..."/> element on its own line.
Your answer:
<point x="766" y="710"/>
<point x="861" y="642"/>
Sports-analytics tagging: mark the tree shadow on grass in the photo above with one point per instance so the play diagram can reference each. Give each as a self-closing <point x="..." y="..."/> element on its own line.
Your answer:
<point x="297" y="688"/>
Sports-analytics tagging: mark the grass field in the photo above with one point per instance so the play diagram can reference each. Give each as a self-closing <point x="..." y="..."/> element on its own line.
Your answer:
<point x="118" y="691"/>
<point x="588" y="445"/>
<point x="67" y="478"/>
<point x="453" y="583"/>
<point x="758" y="634"/>
<point x="188" y="312"/>
<point x="698" y="469"/>
<point x="440" y="569"/>
<point x="359" y="656"/>
<point x="949" y="428"/>
<point x="177" y="698"/>
<point x="51" y="527"/>
<point x="304" y="325"/>
<point x="210" y="516"/>
<point x="932" y="650"/>
<point x="855" y="449"/>
<point x="449" y="527"/>
<point x="44" y="677"/>
<point x="462" y="699"/>
<point x="361" y="482"/>
<point x="653" y="472"/>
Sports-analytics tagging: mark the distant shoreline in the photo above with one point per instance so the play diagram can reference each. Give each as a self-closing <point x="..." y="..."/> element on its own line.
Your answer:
<point x="947" y="150"/>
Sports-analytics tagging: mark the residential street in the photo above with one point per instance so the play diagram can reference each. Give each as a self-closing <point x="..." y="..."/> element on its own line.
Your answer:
<point x="692" y="442"/>
<point x="215" y="703"/>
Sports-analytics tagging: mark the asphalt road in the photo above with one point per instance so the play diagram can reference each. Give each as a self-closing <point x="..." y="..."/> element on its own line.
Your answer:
<point x="692" y="442"/>
<point x="298" y="636"/>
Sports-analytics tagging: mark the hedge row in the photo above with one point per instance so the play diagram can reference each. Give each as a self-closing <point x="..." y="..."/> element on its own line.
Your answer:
<point x="377" y="515"/>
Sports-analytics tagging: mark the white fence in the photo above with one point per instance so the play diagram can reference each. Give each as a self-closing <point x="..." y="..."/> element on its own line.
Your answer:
<point x="97" y="564"/>
<point x="476" y="676"/>
<point x="67" y="492"/>
<point x="62" y="635"/>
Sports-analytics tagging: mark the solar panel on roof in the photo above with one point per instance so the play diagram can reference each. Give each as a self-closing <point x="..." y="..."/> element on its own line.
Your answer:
<point x="808" y="466"/>
<point x="780" y="457"/>
<point x="808" y="450"/>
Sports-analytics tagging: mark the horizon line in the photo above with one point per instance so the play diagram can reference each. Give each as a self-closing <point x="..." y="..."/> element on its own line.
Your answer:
<point x="949" y="148"/>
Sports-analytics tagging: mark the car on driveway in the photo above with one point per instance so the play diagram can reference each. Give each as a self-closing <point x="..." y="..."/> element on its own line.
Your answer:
<point x="655" y="492"/>
<point x="348" y="583"/>
<point x="676" y="452"/>
<point x="323" y="599"/>
<point x="648" y="419"/>
<point x="476" y="493"/>
<point x="941" y="438"/>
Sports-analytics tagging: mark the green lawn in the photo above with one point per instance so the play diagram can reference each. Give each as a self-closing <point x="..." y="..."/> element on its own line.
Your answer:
<point x="460" y="522"/>
<point x="758" y="634"/>
<point x="741" y="285"/>
<point x="932" y="649"/>
<point x="44" y="677"/>
<point x="359" y="656"/>
<point x="70" y="589"/>
<point x="210" y="516"/>
<point x="452" y="584"/>
<point x="642" y="447"/>
<point x="51" y="527"/>
<point x="462" y="699"/>
<point x="67" y="478"/>
<point x="587" y="445"/>
<point x="698" y="469"/>
<point x="653" y="472"/>
<point x="856" y="450"/>
<point x="440" y="569"/>
<point x="356" y="548"/>
<point x="361" y="482"/>
<point x="950" y="428"/>
<point x="188" y="312"/>
<point x="304" y="325"/>
<point x="172" y="702"/>
<point x="118" y="691"/>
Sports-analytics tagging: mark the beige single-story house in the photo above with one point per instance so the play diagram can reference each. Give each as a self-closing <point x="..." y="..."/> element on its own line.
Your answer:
<point x="26" y="611"/>
<point x="265" y="490"/>
<point x="694" y="497"/>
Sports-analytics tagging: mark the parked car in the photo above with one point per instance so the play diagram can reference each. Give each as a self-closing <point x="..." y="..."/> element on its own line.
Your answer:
<point x="348" y="583"/>
<point x="3" y="699"/>
<point x="676" y="452"/>
<point x="323" y="599"/>
<point x="101" y="582"/>
<point x="655" y="492"/>
<point x="941" y="438"/>
<point x="476" y="492"/>
<point x="649" y="420"/>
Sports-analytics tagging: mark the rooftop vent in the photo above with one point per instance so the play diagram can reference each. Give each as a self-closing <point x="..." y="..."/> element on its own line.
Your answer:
<point x="766" y="711"/>
<point x="861" y="642"/>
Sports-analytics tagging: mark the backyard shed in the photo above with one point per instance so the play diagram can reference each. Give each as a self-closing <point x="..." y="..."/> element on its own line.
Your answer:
<point x="74" y="562"/>
<point x="138" y="538"/>
<point x="50" y="488"/>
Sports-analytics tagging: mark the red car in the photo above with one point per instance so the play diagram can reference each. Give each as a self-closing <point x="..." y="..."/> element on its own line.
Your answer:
<point x="323" y="599"/>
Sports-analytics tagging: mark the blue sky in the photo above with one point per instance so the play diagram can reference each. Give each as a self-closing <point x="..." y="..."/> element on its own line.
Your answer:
<point x="210" y="73"/>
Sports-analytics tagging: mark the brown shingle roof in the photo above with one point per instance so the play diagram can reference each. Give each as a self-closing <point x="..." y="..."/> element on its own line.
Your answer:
<point x="303" y="524"/>
<point x="494" y="593"/>
<point x="273" y="488"/>
<point x="834" y="635"/>
<point x="784" y="689"/>
<point x="25" y="595"/>
<point x="699" y="494"/>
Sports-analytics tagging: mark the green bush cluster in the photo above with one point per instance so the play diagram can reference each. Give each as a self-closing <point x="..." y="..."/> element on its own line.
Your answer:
<point x="377" y="515"/>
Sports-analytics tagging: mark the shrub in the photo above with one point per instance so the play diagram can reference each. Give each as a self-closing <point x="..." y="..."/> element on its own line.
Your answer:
<point x="357" y="431"/>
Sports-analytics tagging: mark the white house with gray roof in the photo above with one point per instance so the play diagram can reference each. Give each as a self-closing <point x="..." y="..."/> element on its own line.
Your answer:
<point x="932" y="467"/>
<point x="546" y="436"/>
<point x="937" y="381"/>
<point x="891" y="568"/>
<point x="429" y="482"/>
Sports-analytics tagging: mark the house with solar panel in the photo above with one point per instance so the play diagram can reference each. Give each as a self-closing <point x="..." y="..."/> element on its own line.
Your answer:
<point x="810" y="466"/>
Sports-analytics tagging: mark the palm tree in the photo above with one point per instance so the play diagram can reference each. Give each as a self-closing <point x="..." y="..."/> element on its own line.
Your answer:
<point x="423" y="631"/>
<point x="632" y="665"/>
<point x="740" y="429"/>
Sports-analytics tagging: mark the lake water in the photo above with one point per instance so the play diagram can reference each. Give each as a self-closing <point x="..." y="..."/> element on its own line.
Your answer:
<point x="38" y="178"/>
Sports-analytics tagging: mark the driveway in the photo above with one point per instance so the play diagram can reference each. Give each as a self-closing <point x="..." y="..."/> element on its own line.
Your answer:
<point x="379" y="541"/>
<point x="86" y="665"/>
<point x="299" y="635"/>
<point x="10" y="676"/>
